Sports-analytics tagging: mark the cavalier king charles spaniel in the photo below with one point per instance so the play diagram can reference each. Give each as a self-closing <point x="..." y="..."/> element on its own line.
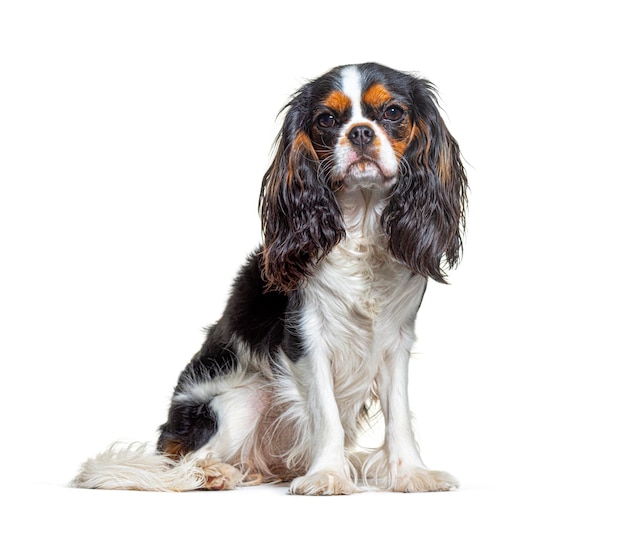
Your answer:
<point x="362" y="204"/>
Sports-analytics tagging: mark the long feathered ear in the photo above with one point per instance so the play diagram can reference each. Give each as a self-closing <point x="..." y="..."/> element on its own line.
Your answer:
<point x="425" y="217"/>
<point x="300" y="217"/>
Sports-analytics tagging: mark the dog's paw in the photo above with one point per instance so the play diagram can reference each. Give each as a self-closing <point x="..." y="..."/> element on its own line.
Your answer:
<point x="324" y="483"/>
<point x="423" y="480"/>
<point x="220" y="476"/>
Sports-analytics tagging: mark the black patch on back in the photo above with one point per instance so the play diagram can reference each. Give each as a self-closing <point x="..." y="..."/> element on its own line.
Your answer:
<point x="254" y="314"/>
<point x="216" y="357"/>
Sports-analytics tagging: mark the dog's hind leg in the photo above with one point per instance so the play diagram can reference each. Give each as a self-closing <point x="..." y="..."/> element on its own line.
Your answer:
<point x="214" y="423"/>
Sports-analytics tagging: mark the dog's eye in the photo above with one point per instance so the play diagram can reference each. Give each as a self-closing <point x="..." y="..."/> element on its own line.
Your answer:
<point x="393" y="113"/>
<point x="326" y="120"/>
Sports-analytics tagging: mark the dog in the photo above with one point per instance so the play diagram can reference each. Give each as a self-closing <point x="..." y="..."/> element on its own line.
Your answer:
<point x="363" y="203"/>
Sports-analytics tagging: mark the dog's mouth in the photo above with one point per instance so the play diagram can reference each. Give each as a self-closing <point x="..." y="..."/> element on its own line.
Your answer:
<point x="364" y="165"/>
<point x="365" y="172"/>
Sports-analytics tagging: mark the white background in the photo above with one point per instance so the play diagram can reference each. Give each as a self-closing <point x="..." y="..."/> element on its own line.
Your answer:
<point x="133" y="138"/>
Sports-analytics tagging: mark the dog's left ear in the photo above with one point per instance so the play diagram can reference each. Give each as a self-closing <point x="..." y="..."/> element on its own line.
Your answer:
<point x="300" y="216"/>
<point x="425" y="217"/>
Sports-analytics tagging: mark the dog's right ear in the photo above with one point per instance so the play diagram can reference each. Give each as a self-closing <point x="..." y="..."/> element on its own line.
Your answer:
<point x="300" y="216"/>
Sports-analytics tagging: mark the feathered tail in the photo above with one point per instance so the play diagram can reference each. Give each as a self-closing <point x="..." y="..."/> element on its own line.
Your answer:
<point x="136" y="467"/>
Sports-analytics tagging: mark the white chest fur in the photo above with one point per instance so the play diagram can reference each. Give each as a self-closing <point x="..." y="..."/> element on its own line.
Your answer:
<point x="360" y="305"/>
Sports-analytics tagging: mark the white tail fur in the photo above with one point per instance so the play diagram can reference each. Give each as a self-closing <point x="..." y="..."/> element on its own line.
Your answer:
<point x="136" y="467"/>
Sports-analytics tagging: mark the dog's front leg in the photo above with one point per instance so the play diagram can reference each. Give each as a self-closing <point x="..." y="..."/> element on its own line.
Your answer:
<point x="328" y="473"/>
<point x="402" y="464"/>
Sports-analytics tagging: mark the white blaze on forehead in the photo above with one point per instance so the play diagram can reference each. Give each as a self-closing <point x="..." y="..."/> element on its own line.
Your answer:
<point x="351" y="86"/>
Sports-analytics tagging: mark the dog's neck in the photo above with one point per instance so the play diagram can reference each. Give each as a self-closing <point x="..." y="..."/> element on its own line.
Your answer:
<point x="362" y="209"/>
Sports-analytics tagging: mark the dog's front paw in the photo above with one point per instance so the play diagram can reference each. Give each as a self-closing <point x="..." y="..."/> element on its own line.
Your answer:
<point x="324" y="483"/>
<point x="423" y="480"/>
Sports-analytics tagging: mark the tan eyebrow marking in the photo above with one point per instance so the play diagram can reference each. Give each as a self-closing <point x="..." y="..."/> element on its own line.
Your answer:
<point x="376" y="96"/>
<point x="338" y="101"/>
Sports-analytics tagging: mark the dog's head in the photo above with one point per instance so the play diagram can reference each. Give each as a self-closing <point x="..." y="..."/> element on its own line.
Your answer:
<point x="362" y="127"/>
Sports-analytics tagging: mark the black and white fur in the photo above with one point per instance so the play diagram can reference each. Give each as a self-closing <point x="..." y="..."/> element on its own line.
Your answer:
<point x="363" y="203"/>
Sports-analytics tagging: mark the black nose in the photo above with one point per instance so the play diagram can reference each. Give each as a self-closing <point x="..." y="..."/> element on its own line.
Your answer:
<point x="361" y="135"/>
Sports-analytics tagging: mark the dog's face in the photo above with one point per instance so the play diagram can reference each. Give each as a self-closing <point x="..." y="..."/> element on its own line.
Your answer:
<point x="362" y="127"/>
<point x="360" y="130"/>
